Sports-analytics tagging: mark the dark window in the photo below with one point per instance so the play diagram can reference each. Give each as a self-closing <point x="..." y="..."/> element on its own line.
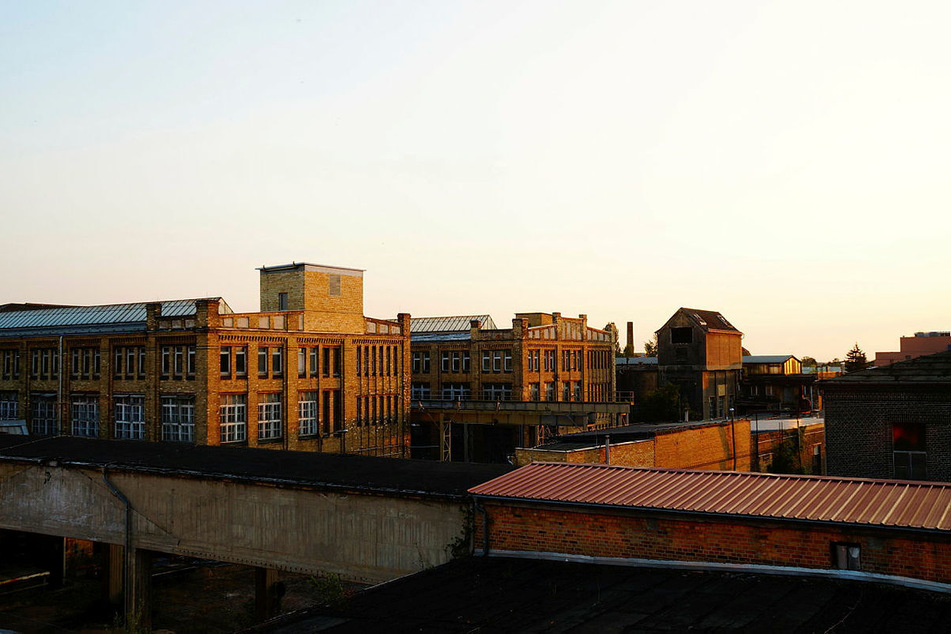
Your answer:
<point x="282" y="301"/>
<point x="846" y="556"/>
<point x="681" y="335"/>
<point x="909" y="451"/>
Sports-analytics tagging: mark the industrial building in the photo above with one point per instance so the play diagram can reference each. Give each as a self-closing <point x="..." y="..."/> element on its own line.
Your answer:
<point x="308" y="372"/>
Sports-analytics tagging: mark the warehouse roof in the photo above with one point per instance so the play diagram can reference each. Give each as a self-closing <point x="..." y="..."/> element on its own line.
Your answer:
<point x="450" y="324"/>
<point x="884" y="503"/>
<point x="768" y="358"/>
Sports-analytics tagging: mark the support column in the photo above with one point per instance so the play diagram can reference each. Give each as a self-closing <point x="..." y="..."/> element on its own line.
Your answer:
<point x="112" y="573"/>
<point x="53" y="551"/>
<point x="139" y="606"/>
<point x="268" y="592"/>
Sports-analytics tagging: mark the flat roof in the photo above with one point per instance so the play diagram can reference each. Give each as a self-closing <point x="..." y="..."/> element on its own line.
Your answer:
<point x="293" y="468"/>
<point x="854" y="501"/>
<point x="932" y="369"/>
<point x="503" y="594"/>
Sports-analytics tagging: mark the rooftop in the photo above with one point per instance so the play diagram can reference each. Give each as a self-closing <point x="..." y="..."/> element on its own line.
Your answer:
<point x="768" y="358"/>
<point x="709" y="319"/>
<point x="457" y="323"/>
<point x="931" y="369"/>
<point x="322" y="471"/>
<point x="498" y="594"/>
<point x="854" y="501"/>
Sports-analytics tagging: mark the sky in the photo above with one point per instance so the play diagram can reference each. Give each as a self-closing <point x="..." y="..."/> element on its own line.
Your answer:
<point x="783" y="162"/>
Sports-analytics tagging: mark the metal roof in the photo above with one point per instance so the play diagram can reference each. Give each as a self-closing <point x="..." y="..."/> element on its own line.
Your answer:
<point x="449" y="324"/>
<point x="635" y="361"/>
<point x="94" y="315"/>
<point x="883" y="503"/>
<point x="768" y="358"/>
<point x="439" y="336"/>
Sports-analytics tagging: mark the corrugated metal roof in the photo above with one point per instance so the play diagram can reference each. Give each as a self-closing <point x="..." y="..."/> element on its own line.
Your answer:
<point x="886" y="503"/>
<point x="94" y="315"/>
<point x="439" y="336"/>
<point x="449" y="324"/>
<point x="767" y="358"/>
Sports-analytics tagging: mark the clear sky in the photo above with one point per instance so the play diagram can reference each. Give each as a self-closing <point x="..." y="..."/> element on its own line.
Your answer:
<point x="784" y="163"/>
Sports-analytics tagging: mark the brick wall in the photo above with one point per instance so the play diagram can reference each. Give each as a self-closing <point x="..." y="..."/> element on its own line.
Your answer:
<point x="859" y="423"/>
<point x="707" y="447"/>
<point x="628" y="534"/>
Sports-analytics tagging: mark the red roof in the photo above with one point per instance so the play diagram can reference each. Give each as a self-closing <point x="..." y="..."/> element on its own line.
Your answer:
<point x="887" y="503"/>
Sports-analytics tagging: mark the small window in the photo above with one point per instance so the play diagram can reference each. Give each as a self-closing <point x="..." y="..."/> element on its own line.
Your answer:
<point x="334" y="288"/>
<point x="846" y="556"/>
<point x="681" y="335"/>
<point x="282" y="301"/>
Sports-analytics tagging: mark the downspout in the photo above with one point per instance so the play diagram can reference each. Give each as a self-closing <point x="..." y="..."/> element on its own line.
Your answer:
<point x="127" y="551"/>
<point x="485" y="526"/>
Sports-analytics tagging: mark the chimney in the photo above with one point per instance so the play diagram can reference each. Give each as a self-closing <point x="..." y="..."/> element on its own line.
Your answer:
<point x="630" y="335"/>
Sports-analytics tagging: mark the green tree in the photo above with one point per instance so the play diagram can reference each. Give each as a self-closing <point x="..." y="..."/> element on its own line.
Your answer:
<point x="650" y="346"/>
<point x="855" y="360"/>
<point x="660" y="405"/>
<point x="809" y="362"/>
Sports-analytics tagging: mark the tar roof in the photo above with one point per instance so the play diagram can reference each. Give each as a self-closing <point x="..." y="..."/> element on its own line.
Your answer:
<point x="450" y="324"/>
<point x="79" y="318"/>
<point x="883" y="503"/>
<point x="308" y="469"/>
<point x="930" y="369"/>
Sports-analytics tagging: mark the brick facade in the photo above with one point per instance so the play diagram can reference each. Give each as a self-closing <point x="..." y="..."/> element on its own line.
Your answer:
<point x="597" y="532"/>
<point x="315" y="376"/>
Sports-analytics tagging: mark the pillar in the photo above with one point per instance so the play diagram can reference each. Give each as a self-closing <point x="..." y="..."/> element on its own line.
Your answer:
<point x="268" y="592"/>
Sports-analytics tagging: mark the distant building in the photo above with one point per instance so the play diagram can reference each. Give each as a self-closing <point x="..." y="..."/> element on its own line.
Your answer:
<point x="700" y="352"/>
<point x="892" y="421"/>
<point x="308" y="372"/>
<point x="922" y="343"/>
<point x="776" y="383"/>
<point x="479" y="391"/>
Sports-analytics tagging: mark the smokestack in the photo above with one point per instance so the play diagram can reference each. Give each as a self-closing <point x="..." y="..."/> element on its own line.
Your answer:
<point x="630" y="335"/>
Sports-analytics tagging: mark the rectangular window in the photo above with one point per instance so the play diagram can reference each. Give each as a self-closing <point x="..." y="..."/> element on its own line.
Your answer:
<point x="301" y="363"/>
<point x="178" y="418"/>
<point x="846" y="556"/>
<point x="44" y="421"/>
<point x="359" y="360"/>
<point x="456" y="361"/>
<point x="45" y="364"/>
<point x="549" y="391"/>
<point x="565" y="360"/>
<point x="262" y="362"/>
<point x="307" y="414"/>
<point x="549" y="360"/>
<point x="577" y="389"/>
<point x="507" y="361"/>
<point x="130" y="417"/>
<point x="84" y="415"/>
<point x="9" y="408"/>
<point x="421" y="391"/>
<point x="497" y="391"/>
<point x="496" y="360"/>
<point x="486" y="361"/>
<point x="233" y="417"/>
<point x="466" y="362"/>
<point x="179" y="361"/>
<point x="130" y="363"/>
<point x="444" y="362"/>
<point x="681" y="335"/>
<point x="277" y="361"/>
<point x="282" y="301"/>
<point x="327" y="362"/>
<point x="269" y="416"/>
<point x="456" y="391"/>
<point x="334" y="285"/>
<point x="909" y="451"/>
<point x="314" y="362"/>
<point x="566" y="391"/>
<point x="240" y="361"/>
<point x="11" y="365"/>
<point x="533" y="392"/>
<point x="225" y="361"/>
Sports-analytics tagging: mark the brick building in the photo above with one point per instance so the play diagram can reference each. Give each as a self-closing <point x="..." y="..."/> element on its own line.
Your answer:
<point x="479" y="391"/>
<point x="892" y="421"/>
<point x="776" y="383"/>
<point x="923" y="343"/>
<point x="701" y="352"/>
<point x="308" y="372"/>
<point x="898" y="532"/>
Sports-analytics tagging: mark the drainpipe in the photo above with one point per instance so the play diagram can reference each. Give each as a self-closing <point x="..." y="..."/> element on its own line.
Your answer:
<point x="485" y="526"/>
<point x="127" y="551"/>
<point x="607" y="449"/>
<point x="60" y="403"/>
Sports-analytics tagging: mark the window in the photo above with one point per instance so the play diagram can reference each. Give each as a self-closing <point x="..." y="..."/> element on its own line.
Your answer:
<point x="307" y="414"/>
<point x="566" y="391"/>
<point x="45" y="364"/>
<point x="85" y="363"/>
<point x="225" y="361"/>
<point x="301" y="363"/>
<point x="681" y="335"/>
<point x="240" y="361"/>
<point x="466" y="361"/>
<point x="533" y="392"/>
<point x="909" y="451"/>
<point x="577" y="389"/>
<point x="11" y="364"/>
<point x="233" y="417"/>
<point x="262" y="362"/>
<point x="282" y="301"/>
<point x="421" y="363"/>
<point x="507" y="360"/>
<point x="549" y="391"/>
<point x="549" y="360"/>
<point x="178" y="418"/>
<point x="533" y="360"/>
<point x="332" y="411"/>
<point x="332" y="361"/>
<point x="497" y="391"/>
<point x="84" y="415"/>
<point x="129" y="362"/>
<point x="456" y="361"/>
<point x="444" y="362"/>
<point x="269" y="416"/>
<point x="421" y="391"/>
<point x="45" y="422"/>
<point x="846" y="556"/>
<point x="8" y="405"/>
<point x="314" y="361"/>
<point x="277" y="361"/>
<point x="178" y="362"/>
<point x="456" y="391"/>
<point x="130" y="417"/>
<point x="334" y="285"/>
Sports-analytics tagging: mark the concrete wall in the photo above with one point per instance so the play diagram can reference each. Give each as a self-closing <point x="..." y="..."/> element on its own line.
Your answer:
<point x="366" y="538"/>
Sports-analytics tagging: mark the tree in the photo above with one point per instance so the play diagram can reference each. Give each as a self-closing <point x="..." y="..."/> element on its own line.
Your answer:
<point x="809" y="362"/>
<point x="855" y="360"/>
<point x="650" y="346"/>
